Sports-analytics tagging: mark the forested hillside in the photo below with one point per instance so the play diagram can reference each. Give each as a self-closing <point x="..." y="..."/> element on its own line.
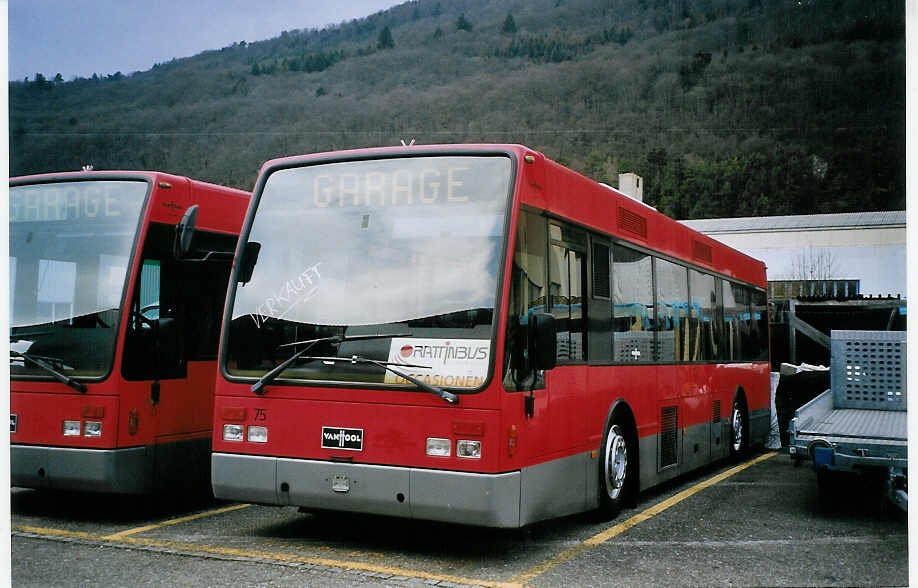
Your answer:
<point x="726" y="107"/>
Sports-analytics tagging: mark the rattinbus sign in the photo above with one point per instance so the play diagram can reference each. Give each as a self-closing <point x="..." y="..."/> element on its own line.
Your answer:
<point x="458" y="363"/>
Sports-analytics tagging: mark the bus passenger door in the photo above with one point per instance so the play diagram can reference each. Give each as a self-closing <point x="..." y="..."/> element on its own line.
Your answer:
<point x="567" y="382"/>
<point x="154" y="350"/>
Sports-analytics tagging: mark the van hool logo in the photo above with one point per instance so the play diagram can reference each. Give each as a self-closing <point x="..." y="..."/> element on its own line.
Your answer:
<point x="339" y="438"/>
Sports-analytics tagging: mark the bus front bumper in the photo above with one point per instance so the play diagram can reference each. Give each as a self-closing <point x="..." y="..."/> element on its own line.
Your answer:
<point x="491" y="500"/>
<point x="120" y="471"/>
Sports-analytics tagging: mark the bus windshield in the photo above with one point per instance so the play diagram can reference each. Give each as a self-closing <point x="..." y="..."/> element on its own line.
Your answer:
<point x="70" y="246"/>
<point x="403" y="246"/>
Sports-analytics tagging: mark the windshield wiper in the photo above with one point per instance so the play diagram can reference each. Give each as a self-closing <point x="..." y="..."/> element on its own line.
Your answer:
<point x="259" y="386"/>
<point x="60" y="377"/>
<point x="356" y="359"/>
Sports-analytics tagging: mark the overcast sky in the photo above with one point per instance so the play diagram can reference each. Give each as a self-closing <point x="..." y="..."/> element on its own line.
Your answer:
<point x="82" y="37"/>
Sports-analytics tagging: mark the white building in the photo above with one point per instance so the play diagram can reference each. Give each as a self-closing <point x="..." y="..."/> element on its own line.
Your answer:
<point x="865" y="246"/>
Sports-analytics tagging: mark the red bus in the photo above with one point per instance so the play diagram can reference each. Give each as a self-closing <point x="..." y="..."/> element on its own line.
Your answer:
<point x="476" y="334"/>
<point x="117" y="286"/>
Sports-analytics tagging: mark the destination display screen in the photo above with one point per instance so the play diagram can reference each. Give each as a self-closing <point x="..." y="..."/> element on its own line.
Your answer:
<point x="74" y="201"/>
<point x="390" y="183"/>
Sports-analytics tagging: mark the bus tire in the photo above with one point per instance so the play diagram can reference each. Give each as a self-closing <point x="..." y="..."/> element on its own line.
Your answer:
<point x="739" y="428"/>
<point x="617" y="469"/>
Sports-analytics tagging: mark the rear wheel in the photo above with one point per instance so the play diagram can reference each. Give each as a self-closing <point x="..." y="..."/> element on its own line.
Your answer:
<point x="617" y="471"/>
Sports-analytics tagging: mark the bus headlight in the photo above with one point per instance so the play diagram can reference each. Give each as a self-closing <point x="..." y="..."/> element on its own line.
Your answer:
<point x="437" y="447"/>
<point x="71" y="428"/>
<point x="257" y="434"/>
<point x="469" y="449"/>
<point x="232" y="432"/>
<point x="92" y="429"/>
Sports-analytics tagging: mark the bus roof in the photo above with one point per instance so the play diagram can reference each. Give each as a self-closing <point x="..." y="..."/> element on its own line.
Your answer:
<point x="223" y="207"/>
<point x="599" y="207"/>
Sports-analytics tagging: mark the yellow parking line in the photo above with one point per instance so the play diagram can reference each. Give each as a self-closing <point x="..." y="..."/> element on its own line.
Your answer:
<point x="204" y="549"/>
<point x="125" y="537"/>
<point x="620" y="528"/>
<point x="55" y="532"/>
<point x="200" y="515"/>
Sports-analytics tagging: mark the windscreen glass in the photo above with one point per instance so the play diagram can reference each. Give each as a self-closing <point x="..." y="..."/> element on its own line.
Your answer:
<point x="70" y="245"/>
<point x="408" y="247"/>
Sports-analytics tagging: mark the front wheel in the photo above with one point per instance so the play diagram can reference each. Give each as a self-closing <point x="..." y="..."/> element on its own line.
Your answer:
<point x="739" y="441"/>
<point x="616" y="474"/>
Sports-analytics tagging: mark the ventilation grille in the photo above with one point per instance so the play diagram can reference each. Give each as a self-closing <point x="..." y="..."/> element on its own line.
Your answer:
<point x="873" y="374"/>
<point x="716" y="415"/>
<point x="669" y="427"/>
<point x="632" y="222"/>
<point x="702" y="251"/>
<point x="601" y="287"/>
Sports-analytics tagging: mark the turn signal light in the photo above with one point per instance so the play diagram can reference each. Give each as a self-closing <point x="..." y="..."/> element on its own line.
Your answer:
<point x="513" y="438"/>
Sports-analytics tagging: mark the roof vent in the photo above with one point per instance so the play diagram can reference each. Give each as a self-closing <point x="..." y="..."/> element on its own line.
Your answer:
<point x="632" y="222"/>
<point x="702" y="251"/>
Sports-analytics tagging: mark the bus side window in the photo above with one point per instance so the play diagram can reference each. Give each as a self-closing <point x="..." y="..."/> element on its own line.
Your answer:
<point x="599" y="307"/>
<point x="566" y="273"/>
<point x="673" y="336"/>
<point x="632" y="308"/>
<point x="705" y="331"/>
<point x="758" y="326"/>
<point x="736" y="321"/>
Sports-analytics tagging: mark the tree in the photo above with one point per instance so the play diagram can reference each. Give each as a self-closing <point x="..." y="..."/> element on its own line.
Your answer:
<point x="509" y="25"/>
<point x="385" y="39"/>
<point x="463" y="24"/>
<point x="813" y="264"/>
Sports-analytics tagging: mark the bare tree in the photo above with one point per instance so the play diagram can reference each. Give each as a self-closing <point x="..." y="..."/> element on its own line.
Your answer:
<point x="813" y="264"/>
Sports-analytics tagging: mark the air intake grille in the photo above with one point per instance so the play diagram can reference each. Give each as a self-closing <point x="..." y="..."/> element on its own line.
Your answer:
<point x="669" y="440"/>
<point x="702" y="251"/>
<point x="632" y="222"/>
<point x="716" y="416"/>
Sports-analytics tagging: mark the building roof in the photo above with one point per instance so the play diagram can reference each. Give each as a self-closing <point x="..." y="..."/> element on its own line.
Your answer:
<point x="807" y="222"/>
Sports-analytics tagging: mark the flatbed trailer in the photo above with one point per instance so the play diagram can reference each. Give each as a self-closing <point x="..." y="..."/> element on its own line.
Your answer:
<point x="859" y="424"/>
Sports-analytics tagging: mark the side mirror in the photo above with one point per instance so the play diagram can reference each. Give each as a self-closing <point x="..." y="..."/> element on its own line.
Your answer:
<point x="542" y="341"/>
<point x="184" y="232"/>
<point x="248" y="261"/>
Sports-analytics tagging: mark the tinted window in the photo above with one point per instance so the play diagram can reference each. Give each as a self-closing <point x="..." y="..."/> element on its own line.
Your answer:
<point x="673" y="337"/>
<point x="705" y="326"/>
<point x="566" y="271"/>
<point x="632" y="296"/>
<point x="758" y="326"/>
<point x="736" y="321"/>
